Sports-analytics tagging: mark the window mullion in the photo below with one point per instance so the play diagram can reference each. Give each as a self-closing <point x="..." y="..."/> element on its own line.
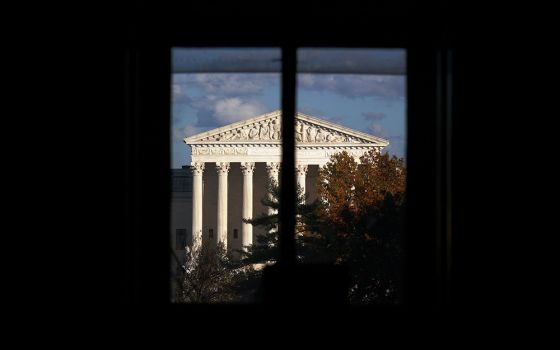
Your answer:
<point x="287" y="210"/>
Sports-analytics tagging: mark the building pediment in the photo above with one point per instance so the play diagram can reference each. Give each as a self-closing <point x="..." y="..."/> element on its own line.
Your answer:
<point x="266" y="129"/>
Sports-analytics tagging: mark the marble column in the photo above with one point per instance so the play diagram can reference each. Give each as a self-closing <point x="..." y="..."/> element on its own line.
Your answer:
<point x="197" y="170"/>
<point x="247" y="229"/>
<point x="273" y="170"/>
<point x="222" y="214"/>
<point x="301" y="171"/>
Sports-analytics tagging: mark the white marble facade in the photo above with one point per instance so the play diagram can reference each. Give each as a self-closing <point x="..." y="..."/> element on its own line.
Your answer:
<point x="231" y="166"/>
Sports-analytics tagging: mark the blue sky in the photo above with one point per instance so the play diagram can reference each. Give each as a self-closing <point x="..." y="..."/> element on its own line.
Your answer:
<point x="375" y="104"/>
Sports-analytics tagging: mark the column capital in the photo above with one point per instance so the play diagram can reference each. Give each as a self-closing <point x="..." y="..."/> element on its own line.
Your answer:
<point x="222" y="167"/>
<point x="197" y="168"/>
<point x="247" y="212"/>
<point x="301" y="169"/>
<point x="273" y="167"/>
<point x="247" y="168"/>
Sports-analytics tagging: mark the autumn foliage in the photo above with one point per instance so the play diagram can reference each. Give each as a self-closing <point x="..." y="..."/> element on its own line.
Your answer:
<point x="362" y="213"/>
<point x="349" y="190"/>
<point x="357" y="220"/>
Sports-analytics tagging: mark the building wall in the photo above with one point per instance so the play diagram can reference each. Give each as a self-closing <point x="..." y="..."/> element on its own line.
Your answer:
<point x="181" y="203"/>
<point x="235" y="201"/>
<point x="311" y="182"/>
<point x="180" y="215"/>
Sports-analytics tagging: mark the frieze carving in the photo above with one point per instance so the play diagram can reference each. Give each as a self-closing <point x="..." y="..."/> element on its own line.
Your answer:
<point x="221" y="151"/>
<point x="353" y="153"/>
<point x="233" y="151"/>
<point x="270" y="130"/>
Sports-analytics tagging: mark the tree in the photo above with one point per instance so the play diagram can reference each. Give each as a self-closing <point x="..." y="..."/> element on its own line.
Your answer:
<point x="208" y="276"/>
<point x="336" y="188"/>
<point x="364" y="210"/>
<point x="265" y="248"/>
<point x="356" y="221"/>
<point x="378" y="175"/>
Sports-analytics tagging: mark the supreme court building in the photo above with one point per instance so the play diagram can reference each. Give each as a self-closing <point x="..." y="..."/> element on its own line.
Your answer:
<point x="230" y="169"/>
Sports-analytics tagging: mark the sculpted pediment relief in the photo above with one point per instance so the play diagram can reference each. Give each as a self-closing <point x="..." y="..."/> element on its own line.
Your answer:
<point x="313" y="133"/>
<point x="267" y="129"/>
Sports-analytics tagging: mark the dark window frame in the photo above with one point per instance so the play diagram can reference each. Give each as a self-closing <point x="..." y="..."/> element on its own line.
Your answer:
<point x="427" y="269"/>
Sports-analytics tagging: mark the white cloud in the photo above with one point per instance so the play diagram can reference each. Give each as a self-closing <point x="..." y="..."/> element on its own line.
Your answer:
<point x="179" y="133"/>
<point x="191" y="130"/>
<point x="177" y="90"/>
<point x="233" y="109"/>
<point x="376" y="129"/>
<point x="229" y="84"/>
<point x="374" y="116"/>
<point x="397" y="146"/>
<point x="178" y="95"/>
<point x="355" y="85"/>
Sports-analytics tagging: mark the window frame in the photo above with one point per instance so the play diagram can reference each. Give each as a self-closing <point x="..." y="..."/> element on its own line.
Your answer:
<point x="427" y="257"/>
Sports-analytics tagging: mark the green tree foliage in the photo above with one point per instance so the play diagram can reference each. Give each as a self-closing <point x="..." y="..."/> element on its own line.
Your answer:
<point x="265" y="247"/>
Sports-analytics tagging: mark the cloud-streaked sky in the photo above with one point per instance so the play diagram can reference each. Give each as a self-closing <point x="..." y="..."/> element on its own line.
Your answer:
<point x="375" y="104"/>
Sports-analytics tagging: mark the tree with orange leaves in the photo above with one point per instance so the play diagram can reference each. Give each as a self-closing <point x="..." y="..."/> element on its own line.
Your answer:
<point x="362" y="219"/>
<point x="357" y="221"/>
<point x="346" y="186"/>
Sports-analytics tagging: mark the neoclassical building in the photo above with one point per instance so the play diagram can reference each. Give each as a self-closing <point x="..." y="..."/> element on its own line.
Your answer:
<point x="231" y="166"/>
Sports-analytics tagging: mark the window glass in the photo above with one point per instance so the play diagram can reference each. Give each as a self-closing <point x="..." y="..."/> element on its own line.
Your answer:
<point x="226" y="146"/>
<point x="350" y="166"/>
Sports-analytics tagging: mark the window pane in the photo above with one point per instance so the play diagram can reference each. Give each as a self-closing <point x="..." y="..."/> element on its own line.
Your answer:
<point x="226" y="144"/>
<point x="350" y="166"/>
